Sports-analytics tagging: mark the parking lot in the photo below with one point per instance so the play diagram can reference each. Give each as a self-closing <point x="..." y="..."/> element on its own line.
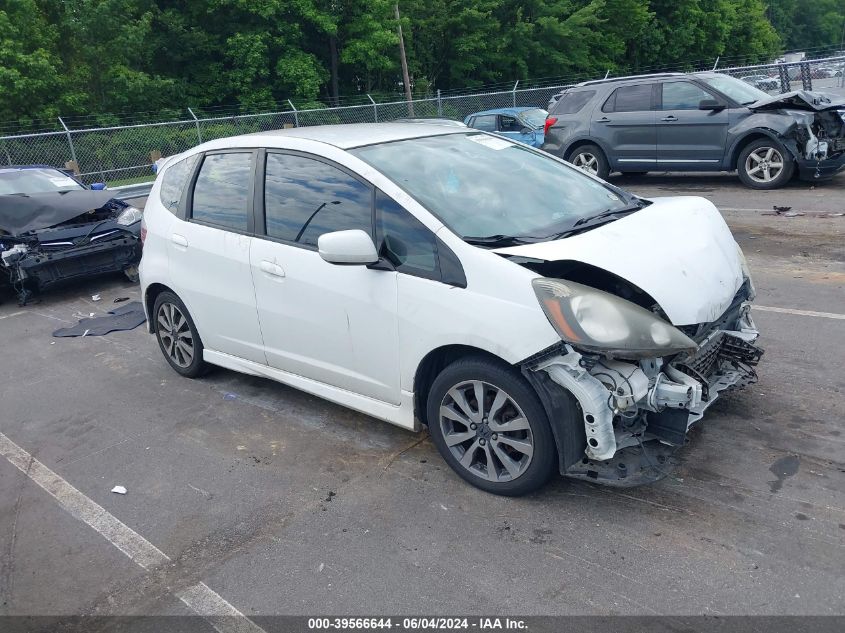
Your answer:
<point x="281" y="503"/>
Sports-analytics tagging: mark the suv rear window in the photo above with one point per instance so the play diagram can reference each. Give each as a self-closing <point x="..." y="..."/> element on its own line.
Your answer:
<point x="636" y="98"/>
<point x="572" y="102"/>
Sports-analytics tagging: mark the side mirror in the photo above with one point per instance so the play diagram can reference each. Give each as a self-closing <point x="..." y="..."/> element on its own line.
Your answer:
<point x="710" y="104"/>
<point x="98" y="186"/>
<point x="354" y="247"/>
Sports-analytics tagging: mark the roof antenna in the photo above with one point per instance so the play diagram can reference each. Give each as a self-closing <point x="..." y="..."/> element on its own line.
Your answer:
<point x="607" y="74"/>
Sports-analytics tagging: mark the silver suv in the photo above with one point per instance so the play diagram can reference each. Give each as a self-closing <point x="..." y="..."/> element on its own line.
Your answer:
<point x="698" y="122"/>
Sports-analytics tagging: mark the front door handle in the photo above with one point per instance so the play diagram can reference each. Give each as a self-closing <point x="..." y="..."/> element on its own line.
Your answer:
<point x="271" y="269"/>
<point x="669" y="118"/>
<point x="179" y="240"/>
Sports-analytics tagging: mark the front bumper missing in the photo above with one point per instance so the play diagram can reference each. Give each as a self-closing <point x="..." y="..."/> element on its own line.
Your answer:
<point x="636" y="413"/>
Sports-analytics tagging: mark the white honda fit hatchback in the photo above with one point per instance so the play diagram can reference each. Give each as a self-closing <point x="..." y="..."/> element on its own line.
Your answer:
<point x="533" y="317"/>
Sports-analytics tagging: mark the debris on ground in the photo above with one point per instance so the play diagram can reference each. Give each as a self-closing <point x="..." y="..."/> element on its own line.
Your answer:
<point x="121" y="299"/>
<point x="95" y="297"/>
<point x="780" y="210"/>
<point x="126" y="317"/>
<point x="119" y="490"/>
<point x="230" y="396"/>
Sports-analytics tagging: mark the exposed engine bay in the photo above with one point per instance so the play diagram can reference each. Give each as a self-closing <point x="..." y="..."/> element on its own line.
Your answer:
<point x="637" y="412"/>
<point x="811" y="125"/>
<point x="46" y="238"/>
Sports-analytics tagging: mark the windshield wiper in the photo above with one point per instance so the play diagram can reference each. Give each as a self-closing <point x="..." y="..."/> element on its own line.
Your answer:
<point x="495" y="240"/>
<point x="636" y="206"/>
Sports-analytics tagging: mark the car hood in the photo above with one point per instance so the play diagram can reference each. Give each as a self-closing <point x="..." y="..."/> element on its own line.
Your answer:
<point x="679" y="250"/>
<point x="21" y="213"/>
<point x="800" y="100"/>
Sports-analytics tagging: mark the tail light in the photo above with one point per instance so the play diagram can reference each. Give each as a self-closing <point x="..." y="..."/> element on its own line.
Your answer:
<point x="550" y="121"/>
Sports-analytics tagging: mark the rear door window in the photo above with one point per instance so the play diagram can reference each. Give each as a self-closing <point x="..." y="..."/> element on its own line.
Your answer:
<point x="304" y="198"/>
<point x="222" y="190"/>
<point x="636" y="98"/>
<point x="510" y="124"/>
<point x="573" y="102"/>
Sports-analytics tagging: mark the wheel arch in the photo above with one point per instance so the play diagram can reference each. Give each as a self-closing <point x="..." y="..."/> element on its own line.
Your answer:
<point x="580" y="142"/>
<point x="756" y="135"/>
<point x="150" y="295"/>
<point x="434" y="362"/>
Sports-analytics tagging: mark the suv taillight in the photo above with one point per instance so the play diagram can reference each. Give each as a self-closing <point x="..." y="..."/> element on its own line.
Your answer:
<point x="550" y="121"/>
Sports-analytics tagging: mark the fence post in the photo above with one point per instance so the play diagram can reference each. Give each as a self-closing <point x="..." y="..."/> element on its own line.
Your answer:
<point x="197" y="122"/>
<point x="375" y="108"/>
<point x="295" y="113"/>
<point x="70" y="142"/>
<point x="513" y="92"/>
<point x="718" y="57"/>
<point x="806" y="77"/>
<point x="783" y="75"/>
<point x="439" y="104"/>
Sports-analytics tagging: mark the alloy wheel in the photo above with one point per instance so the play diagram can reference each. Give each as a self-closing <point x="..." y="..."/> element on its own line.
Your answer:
<point x="764" y="164"/>
<point x="175" y="334"/>
<point x="486" y="431"/>
<point x="587" y="162"/>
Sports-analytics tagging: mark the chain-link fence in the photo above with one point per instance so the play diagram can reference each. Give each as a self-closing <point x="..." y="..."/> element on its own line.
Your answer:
<point x="125" y="154"/>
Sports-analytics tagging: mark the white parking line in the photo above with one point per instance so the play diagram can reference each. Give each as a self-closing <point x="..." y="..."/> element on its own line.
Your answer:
<point x="199" y="597"/>
<point x="9" y="316"/>
<point x="810" y="313"/>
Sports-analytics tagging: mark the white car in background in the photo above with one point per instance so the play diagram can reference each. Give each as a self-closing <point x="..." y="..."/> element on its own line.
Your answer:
<point x="533" y="317"/>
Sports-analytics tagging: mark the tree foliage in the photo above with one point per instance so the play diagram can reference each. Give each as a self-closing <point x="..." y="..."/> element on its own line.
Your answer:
<point x="95" y="56"/>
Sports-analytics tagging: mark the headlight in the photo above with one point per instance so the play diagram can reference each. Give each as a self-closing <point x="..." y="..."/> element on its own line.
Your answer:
<point x="130" y="215"/>
<point x="746" y="272"/>
<point x="602" y="322"/>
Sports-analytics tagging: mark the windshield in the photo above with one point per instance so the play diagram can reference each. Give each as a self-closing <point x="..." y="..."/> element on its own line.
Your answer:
<point x="480" y="185"/>
<point x="534" y="118"/>
<point x="35" y="181"/>
<point x="736" y="89"/>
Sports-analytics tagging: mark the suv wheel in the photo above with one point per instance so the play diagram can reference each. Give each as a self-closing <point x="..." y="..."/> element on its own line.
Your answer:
<point x="490" y="427"/>
<point x="765" y="164"/>
<point x="177" y="335"/>
<point x="591" y="159"/>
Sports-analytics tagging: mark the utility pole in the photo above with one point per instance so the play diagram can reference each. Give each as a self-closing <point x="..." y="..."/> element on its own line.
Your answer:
<point x="406" y="79"/>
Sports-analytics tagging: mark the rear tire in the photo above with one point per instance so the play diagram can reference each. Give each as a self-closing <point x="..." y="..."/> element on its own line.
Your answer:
<point x="765" y="164"/>
<point x="511" y="451"/>
<point x="177" y="336"/>
<point x="591" y="159"/>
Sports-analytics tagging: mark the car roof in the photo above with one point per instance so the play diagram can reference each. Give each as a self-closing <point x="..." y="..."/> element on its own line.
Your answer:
<point x="349" y="135"/>
<point x="4" y="168"/>
<point x="516" y="110"/>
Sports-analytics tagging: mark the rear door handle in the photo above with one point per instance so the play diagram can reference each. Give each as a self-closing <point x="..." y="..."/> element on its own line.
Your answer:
<point x="179" y="240"/>
<point x="669" y="118"/>
<point x="604" y="119"/>
<point x="271" y="269"/>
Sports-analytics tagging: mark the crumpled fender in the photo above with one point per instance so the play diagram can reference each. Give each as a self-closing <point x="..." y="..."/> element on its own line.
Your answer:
<point x="778" y="126"/>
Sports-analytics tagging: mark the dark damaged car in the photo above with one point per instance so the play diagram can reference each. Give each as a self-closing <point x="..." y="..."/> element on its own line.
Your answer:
<point x="698" y="122"/>
<point x="53" y="229"/>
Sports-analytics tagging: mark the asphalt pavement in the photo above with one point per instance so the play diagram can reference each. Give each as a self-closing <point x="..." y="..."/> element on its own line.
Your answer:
<point x="281" y="503"/>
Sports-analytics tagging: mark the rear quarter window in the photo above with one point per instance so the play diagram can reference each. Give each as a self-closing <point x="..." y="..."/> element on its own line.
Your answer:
<point x="174" y="180"/>
<point x="573" y="102"/>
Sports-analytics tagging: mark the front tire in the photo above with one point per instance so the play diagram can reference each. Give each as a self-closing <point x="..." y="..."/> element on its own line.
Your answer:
<point x="177" y="336"/>
<point x="490" y="427"/>
<point x="765" y="164"/>
<point x="590" y="159"/>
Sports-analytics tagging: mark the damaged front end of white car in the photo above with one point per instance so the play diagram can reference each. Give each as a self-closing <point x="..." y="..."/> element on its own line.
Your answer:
<point x="637" y="372"/>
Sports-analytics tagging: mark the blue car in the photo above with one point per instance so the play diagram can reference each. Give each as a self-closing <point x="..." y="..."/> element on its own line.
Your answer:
<point x="524" y="125"/>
